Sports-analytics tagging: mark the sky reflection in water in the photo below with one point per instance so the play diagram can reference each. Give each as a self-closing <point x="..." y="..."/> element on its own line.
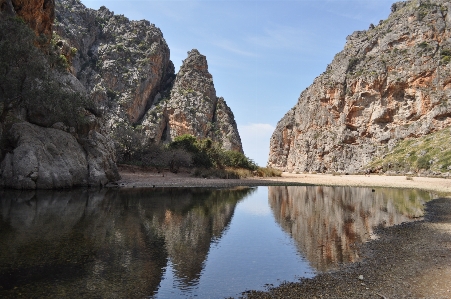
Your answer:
<point x="183" y="243"/>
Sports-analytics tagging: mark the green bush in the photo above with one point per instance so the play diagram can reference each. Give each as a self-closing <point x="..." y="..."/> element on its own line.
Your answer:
<point x="237" y="160"/>
<point x="206" y="156"/>
<point x="268" y="172"/>
<point x="423" y="162"/>
<point x="209" y="154"/>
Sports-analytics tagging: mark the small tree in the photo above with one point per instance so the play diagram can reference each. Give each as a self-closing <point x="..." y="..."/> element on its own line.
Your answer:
<point x="179" y="158"/>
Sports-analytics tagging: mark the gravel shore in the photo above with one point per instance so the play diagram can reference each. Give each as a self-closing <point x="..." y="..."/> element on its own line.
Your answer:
<point x="411" y="260"/>
<point x="136" y="177"/>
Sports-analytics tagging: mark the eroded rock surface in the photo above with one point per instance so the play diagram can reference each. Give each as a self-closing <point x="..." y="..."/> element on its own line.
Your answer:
<point x="192" y="107"/>
<point x="126" y="68"/>
<point x="45" y="142"/>
<point x="122" y="63"/>
<point x="38" y="14"/>
<point x="389" y="83"/>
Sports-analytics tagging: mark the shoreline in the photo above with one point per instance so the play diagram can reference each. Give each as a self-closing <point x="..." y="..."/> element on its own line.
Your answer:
<point x="410" y="260"/>
<point x="134" y="177"/>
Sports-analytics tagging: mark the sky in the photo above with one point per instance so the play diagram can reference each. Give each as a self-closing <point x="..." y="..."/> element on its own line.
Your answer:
<point x="261" y="53"/>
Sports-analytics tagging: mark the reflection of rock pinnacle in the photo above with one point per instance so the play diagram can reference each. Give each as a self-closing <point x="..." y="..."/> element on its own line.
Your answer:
<point x="188" y="235"/>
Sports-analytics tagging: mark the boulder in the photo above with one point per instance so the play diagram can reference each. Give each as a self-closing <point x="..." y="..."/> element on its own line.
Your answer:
<point x="48" y="158"/>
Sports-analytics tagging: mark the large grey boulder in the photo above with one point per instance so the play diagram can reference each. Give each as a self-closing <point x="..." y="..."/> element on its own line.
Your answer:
<point x="48" y="158"/>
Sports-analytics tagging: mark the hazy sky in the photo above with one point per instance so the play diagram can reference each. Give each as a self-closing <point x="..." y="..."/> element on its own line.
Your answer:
<point x="262" y="54"/>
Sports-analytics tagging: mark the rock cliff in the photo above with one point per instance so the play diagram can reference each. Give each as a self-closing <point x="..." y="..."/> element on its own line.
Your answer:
<point x="50" y="137"/>
<point x="125" y="67"/>
<point x="38" y="14"/>
<point x="192" y="107"/>
<point x="123" y="70"/>
<point x="391" y="82"/>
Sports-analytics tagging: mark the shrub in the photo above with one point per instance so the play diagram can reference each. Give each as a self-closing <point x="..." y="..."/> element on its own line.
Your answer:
<point x="28" y="81"/>
<point x="423" y="162"/>
<point x="268" y="172"/>
<point x="237" y="160"/>
<point x="208" y="154"/>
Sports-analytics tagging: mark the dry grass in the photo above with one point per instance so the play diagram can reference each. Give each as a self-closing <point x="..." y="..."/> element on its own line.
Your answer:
<point x="267" y="172"/>
<point x="430" y="152"/>
<point x="236" y="173"/>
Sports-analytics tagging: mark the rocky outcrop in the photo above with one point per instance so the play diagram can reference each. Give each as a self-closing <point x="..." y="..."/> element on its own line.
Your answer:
<point x="125" y="67"/>
<point x="192" y="107"/>
<point x="50" y="134"/>
<point x="389" y="83"/>
<point x="49" y="158"/>
<point x="38" y="14"/>
<point x="123" y="64"/>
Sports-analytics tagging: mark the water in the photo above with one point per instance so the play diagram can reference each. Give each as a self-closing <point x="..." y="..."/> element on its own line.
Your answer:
<point x="185" y="243"/>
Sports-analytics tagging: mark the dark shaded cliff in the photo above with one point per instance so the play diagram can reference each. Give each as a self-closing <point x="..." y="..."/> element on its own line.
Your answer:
<point x="38" y="14"/>
<point x="64" y="94"/>
<point x="50" y="135"/>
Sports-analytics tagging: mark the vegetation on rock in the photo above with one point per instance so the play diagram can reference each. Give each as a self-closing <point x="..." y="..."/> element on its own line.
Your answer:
<point x="32" y="87"/>
<point x="125" y="66"/>
<point x="185" y="151"/>
<point x="429" y="154"/>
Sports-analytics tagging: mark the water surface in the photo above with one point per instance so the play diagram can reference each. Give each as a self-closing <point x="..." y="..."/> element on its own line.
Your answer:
<point x="185" y="243"/>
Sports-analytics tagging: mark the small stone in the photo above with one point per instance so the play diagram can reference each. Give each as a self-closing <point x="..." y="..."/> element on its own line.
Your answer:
<point x="360" y="277"/>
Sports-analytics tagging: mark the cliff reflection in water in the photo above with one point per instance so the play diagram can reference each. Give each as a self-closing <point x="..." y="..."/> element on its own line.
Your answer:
<point x="108" y="243"/>
<point x="326" y="221"/>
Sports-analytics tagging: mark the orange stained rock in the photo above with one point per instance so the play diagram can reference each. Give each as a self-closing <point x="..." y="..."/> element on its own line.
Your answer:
<point x="38" y="14"/>
<point x="422" y="80"/>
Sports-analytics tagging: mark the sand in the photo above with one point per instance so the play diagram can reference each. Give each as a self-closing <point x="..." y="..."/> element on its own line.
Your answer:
<point x="136" y="177"/>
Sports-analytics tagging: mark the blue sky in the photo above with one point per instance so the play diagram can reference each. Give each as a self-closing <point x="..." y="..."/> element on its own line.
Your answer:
<point x="262" y="54"/>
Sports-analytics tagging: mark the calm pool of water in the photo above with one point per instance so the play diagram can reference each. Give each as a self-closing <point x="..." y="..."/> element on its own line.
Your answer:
<point x="185" y="243"/>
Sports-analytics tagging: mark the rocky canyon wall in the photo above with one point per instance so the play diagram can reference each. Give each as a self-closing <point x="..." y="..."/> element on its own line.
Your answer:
<point x="123" y="69"/>
<point x="38" y="14"/>
<point x="390" y="82"/>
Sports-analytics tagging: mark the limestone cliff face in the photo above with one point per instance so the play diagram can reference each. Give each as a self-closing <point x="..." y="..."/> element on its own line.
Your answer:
<point x="125" y="66"/>
<point x="192" y="107"/>
<point x="38" y="14"/>
<point x="389" y="83"/>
